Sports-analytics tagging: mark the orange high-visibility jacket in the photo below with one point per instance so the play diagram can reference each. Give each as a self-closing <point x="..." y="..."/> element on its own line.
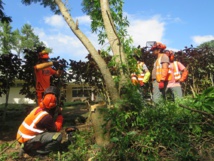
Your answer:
<point x="27" y="129"/>
<point x="159" y="71"/>
<point x="43" y="78"/>
<point x="177" y="73"/>
<point x="138" y="78"/>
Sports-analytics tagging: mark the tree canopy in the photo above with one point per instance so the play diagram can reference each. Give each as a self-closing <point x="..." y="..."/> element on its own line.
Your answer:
<point x="3" y="16"/>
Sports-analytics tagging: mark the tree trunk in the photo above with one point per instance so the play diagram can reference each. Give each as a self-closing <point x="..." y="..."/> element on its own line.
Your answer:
<point x="91" y="49"/>
<point x="6" y="105"/>
<point x="114" y="40"/>
<point x="101" y="133"/>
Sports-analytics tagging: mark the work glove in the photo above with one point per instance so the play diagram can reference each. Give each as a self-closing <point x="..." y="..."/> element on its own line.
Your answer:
<point x="184" y="76"/>
<point x="58" y="122"/>
<point x="161" y="85"/>
<point x="142" y="84"/>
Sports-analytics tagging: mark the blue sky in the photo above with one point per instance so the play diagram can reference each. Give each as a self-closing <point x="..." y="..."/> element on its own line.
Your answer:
<point x="176" y="23"/>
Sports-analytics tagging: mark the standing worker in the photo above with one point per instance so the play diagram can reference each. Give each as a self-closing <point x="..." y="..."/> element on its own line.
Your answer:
<point x="43" y="72"/>
<point x="39" y="133"/>
<point x="160" y="72"/>
<point x="179" y="74"/>
<point x="141" y="76"/>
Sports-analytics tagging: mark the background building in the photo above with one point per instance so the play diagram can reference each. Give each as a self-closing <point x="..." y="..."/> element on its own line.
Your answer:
<point x="73" y="92"/>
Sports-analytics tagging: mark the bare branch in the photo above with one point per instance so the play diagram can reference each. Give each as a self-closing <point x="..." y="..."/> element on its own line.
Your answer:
<point x="198" y="111"/>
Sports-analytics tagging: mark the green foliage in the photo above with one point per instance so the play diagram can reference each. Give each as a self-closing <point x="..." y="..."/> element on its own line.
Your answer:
<point x="3" y="157"/>
<point x="80" y="149"/>
<point x="140" y="131"/>
<point x="18" y="40"/>
<point x="9" y="68"/>
<point x="209" y="44"/>
<point x="200" y="64"/>
<point x="93" y="9"/>
<point x="44" y="3"/>
<point x="167" y="132"/>
<point x="3" y="16"/>
<point x="205" y="101"/>
<point x="7" y="156"/>
<point x="6" y="38"/>
<point x="28" y="39"/>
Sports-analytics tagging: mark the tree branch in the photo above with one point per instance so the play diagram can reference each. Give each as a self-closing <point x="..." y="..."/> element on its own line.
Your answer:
<point x="198" y="111"/>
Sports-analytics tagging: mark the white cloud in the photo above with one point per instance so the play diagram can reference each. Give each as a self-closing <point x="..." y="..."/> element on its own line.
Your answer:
<point x="66" y="45"/>
<point x="201" y="39"/>
<point x="83" y="19"/>
<point x="55" y="21"/>
<point x="146" y="30"/>
<point x="171" y="19"/>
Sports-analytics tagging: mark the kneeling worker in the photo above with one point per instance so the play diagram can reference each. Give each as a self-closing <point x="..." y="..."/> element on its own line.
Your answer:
<point x="39" y="133"/>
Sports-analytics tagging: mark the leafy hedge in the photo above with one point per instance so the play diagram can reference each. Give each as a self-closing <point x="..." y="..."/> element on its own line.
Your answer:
<point x="174" y="131"/>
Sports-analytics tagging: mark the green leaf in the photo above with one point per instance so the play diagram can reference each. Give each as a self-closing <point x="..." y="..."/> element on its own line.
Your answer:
<point x="114" y="139"/>
<point x="132" y="133"/>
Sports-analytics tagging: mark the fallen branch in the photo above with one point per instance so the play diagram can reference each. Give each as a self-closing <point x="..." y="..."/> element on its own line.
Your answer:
<point x="198" y="111"/>
<point x="9" y="146"/>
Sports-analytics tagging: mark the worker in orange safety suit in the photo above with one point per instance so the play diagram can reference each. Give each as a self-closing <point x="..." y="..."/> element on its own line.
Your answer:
<point x="179" y="74"/>
<point x="141" y="76"/>
<point x="39" y="133"/>
<point x="43" y="71"/>
<point x="160" y="72"/>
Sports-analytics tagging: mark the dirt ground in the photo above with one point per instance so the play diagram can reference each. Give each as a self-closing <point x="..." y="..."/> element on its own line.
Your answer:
<point x="73" y="116"/>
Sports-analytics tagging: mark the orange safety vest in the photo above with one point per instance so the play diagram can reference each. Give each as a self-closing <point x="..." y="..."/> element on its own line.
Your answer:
<point x="28" y="129"/>
<point x="138" y="78"/>
<point x="158" y="67"/>
<point x="177" y="73"/>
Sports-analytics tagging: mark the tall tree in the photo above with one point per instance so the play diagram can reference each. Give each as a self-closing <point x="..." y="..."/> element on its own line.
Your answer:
<point x="6" y="38"/>
<point x="25" y="39"/>
<point x="17" y="46"/>
<point x="9" y="69"/>
<point x="28" y="39"/>
<point x="108" y="23"/>
<point x="104" y="11"/>
<point x="3" y="16"/>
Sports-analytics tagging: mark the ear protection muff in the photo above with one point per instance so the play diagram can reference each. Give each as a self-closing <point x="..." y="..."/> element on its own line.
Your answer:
<point x="49" y="101"/>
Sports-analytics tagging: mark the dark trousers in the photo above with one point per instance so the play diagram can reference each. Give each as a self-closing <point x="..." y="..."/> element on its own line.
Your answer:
<point x="43" y="143"/>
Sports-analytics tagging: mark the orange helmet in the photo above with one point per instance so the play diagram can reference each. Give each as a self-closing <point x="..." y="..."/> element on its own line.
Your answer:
<point x="49" y="101"/>
<point x="44" y="55"/>
<point x="170" y="54"/>
<point x="158" y="45"/>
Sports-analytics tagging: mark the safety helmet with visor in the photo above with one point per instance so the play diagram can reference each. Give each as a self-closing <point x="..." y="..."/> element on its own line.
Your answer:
<point x="49" y="101"/>
<point x="155" y="45"/>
